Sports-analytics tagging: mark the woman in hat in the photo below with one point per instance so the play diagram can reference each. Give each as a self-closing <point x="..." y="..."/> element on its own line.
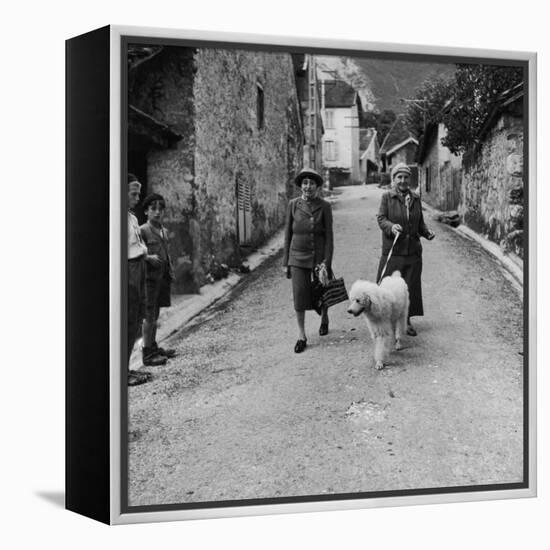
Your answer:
<point x="400" y="215"/>
<point x="308" y="242"/>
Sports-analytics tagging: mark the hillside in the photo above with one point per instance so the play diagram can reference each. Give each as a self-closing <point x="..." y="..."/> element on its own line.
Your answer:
<point x="382" y="83"/>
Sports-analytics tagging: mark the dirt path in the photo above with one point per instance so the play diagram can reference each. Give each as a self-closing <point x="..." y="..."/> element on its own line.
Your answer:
<point x="238" y="415"/>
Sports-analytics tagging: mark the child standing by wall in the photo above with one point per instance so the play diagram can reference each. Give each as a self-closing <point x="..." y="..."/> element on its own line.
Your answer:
<point x="158" y="279"/>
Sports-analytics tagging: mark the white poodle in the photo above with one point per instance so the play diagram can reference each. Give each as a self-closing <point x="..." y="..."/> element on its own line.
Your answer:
<point x="385" y="307"/>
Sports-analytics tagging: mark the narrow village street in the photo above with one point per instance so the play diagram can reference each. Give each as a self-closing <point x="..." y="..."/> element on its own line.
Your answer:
<point x="238" y="415"/>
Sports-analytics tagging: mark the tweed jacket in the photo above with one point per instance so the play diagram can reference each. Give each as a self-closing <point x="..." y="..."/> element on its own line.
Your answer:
<point x="394" y="210"/>
<point x="308" y="233"/>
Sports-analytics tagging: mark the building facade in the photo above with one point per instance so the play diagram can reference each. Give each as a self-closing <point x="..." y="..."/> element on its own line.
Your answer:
<point x="439" y="170"/>
<point x="492" y="202"/>
<point x="340" y="113"/>
<point x="233" y="142"/>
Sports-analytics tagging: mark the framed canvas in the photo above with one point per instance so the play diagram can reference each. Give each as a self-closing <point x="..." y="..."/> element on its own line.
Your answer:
<point x="208" y="176"/>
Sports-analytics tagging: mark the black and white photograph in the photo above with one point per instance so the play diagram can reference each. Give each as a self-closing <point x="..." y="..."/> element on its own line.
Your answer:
<point x="274" y="275"/>
<point x="326" y="256"/>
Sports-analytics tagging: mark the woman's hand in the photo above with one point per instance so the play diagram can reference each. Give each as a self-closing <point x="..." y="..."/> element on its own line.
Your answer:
<point x="431" y="235"/>
<point x="396" y="228"/>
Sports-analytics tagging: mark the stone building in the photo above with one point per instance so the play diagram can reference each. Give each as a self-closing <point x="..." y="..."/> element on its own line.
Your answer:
<point x="492" y="195"/>
<point x="218" y="133"/>
<point x="439" y="170"/>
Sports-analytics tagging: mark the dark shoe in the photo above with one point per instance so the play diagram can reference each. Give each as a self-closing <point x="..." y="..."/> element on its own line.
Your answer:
<point x="135" y="378"/>
<point x="323" y="329"/>
<point x="152" y="359"/>
<point x="300" y="346"/>
<point x="163" y="352"/>
<point x="411" y="331"/>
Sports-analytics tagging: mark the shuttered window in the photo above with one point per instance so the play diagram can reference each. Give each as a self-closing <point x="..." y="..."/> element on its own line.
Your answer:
<point x="244" y="211"/>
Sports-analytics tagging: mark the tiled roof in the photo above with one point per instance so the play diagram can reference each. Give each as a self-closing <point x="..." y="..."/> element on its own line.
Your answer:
<point x="397" y="134"/>
<point x="338" y="94"/>
<point x="504" y="102"/>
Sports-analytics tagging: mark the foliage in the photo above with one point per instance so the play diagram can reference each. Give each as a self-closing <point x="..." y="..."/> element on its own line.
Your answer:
<point x="381" y="121"/>
<point x="428" y="104"/>
<point x="462" y="102"/>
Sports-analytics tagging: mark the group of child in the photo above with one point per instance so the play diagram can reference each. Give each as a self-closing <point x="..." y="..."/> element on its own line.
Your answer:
<point x="150" y="273"/>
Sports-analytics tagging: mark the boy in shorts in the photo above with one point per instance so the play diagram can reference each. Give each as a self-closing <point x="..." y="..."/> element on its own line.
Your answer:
<point x="159" y="275"/>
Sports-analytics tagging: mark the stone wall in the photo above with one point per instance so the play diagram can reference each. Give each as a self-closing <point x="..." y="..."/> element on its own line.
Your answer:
<point x="492" y="201"/>
<point x="210" y="97"/>
<point x="163" y="88"/>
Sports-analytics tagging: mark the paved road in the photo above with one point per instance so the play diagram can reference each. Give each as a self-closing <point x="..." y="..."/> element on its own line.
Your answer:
<point x="238" y="415"/>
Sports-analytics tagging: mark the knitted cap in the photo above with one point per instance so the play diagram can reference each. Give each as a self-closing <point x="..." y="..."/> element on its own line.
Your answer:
<point x="401" y="167"/>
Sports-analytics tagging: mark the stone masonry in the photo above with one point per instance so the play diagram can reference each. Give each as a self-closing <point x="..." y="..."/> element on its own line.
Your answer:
<point x="492" y="200"/>
<point x="210" y="97"/>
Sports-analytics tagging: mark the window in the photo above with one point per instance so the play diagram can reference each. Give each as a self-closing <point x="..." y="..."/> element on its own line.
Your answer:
<point x="329" y="118"/>
<point x="331" y="152"/>
<point x="260" y="106"/>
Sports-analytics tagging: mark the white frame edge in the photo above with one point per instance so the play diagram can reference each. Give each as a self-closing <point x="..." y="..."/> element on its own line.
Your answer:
<point x="117" y="517"/>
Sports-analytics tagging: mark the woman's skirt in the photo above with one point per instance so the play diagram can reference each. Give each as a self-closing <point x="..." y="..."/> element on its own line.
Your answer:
<point x="411" y="270"/>
<point x="301" y="288"/>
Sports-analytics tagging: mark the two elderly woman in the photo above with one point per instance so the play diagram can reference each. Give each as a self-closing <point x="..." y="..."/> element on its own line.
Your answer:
<point x="309" y="242"/>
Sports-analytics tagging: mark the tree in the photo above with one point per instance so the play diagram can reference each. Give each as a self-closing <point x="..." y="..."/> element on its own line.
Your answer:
<point x="476" y="89"/>
<point x="462" y="102"/>
<point x="427" y="106"/>
<point x="381" y="121"/>
<point x="385" y="122"/>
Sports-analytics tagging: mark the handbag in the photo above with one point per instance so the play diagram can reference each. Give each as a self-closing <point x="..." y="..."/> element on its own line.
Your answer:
<point x="334" y="292"/>
<point x="329" y="294"/>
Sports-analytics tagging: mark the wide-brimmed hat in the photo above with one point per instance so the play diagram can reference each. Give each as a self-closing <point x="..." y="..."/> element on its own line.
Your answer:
<point x="401" y="167"/>
<point x="310" y="174"/>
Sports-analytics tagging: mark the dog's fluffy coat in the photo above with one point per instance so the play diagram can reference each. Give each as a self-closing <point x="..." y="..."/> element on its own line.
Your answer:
<point x="386" y="308"/>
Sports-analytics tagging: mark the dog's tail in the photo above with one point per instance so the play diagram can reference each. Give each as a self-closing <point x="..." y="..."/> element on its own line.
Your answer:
<point x="396" y="273"/>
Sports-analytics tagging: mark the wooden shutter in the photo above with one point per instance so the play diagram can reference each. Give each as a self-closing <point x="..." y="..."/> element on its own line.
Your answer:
<point x="244" y="211"/>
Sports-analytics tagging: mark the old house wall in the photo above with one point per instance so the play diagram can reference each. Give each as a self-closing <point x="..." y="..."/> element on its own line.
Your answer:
<point x="404" y="154"/>
<point x="445" y="172"/>
<point x="492" y="202"/>
<point x="429" y="176"/>
<point x="163" y="88"/>
<point x="210" y="97"/>
<point x="233" y="147"/>
<point x="341" y="135"/>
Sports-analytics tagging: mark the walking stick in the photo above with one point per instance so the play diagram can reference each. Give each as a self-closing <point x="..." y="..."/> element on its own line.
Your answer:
<point x="389" y="256"/>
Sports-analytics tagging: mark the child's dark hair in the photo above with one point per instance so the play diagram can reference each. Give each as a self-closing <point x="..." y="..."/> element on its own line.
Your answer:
<point x="150" y="199"/>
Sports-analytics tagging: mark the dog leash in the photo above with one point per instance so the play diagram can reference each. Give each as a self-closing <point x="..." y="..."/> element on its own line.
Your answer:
<point x="389" y="256"/>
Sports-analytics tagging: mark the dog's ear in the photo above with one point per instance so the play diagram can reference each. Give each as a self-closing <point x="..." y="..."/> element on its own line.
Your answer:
<point x="364" y="300"/>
